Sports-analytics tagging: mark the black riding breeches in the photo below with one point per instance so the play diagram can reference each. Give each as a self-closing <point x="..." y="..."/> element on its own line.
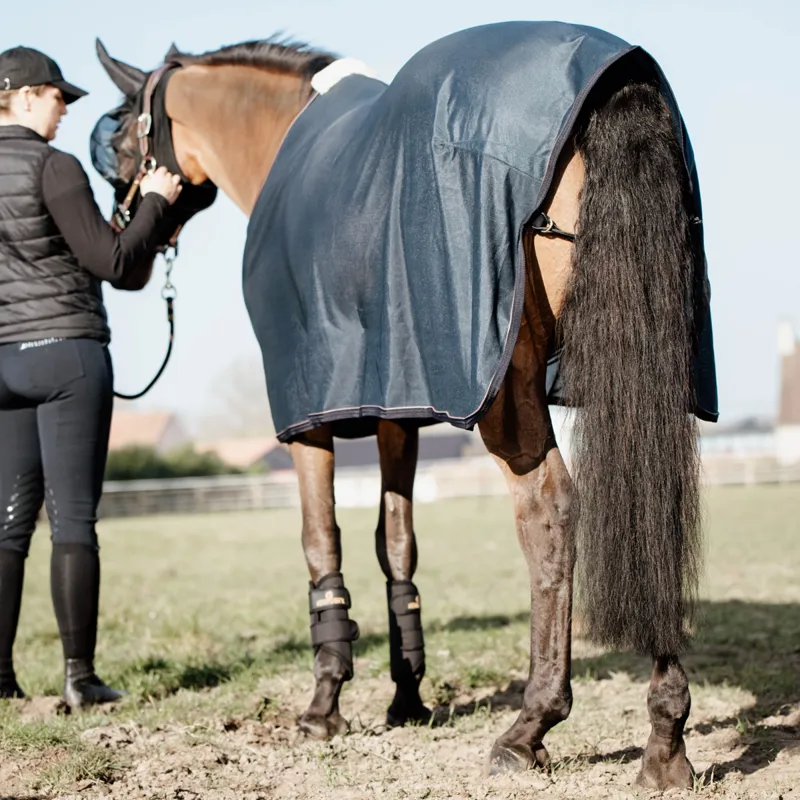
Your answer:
<point x="56" y="399"/>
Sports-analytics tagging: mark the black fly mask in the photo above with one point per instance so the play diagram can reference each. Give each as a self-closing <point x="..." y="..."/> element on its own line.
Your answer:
<point x="117" y="156"/>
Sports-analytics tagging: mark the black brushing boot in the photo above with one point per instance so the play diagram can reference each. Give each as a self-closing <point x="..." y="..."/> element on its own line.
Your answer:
<point x="75" y="587"/>
<point x="332" y="636"/>
<point x="331" y="626"/>
<point x="12" y="571"/>
<point x="406" y="654"/>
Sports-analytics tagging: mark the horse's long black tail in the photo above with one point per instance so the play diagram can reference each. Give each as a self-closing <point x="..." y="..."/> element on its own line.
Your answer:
<point x="626" y="362"/>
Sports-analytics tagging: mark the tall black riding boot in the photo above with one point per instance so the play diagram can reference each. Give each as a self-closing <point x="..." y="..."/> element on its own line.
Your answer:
<point x="12" y="571"/>
<point x="75" y="587"/>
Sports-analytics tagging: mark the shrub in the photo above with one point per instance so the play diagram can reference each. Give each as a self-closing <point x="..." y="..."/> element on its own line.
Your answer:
<point x="137" y="462"/>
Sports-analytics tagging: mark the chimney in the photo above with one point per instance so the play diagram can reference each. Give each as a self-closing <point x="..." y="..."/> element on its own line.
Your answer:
<point x="789" y="402"/>
<point x="786" y="340"/>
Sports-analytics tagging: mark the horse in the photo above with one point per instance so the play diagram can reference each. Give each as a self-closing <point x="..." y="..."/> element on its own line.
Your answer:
<point x="512" y="222"/>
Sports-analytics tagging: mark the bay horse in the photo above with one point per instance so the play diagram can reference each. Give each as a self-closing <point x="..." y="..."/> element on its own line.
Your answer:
<point x="555" y="175"/>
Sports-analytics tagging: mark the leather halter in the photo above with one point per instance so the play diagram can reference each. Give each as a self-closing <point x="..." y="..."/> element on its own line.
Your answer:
<point x="144" y="126"/>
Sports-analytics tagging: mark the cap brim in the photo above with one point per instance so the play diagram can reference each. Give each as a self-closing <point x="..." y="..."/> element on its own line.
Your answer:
<point x="69" y="92"/>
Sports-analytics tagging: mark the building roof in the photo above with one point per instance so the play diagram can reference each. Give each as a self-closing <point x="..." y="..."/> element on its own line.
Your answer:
<point x="240" y="452"/>
<point x="745" y="426"/>
<point x="144" y="428"/>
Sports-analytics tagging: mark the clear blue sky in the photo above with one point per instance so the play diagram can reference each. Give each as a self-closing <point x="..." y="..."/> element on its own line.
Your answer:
<point x="732" y="64"/>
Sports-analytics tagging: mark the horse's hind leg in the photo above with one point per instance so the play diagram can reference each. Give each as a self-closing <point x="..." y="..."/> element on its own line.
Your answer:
<point x="542" y="498"/>
<point x="396" y="546"/>
<point x="332" y="632"/>
<point x="517" y="431"/>
<point x="664" y="764"/>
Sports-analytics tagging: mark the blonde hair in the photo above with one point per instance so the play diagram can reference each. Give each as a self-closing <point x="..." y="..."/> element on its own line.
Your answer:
<point x="6" y="96"/>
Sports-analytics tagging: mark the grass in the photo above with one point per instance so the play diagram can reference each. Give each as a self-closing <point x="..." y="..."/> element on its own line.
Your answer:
<point x="205" y="618"/>
<point x="89" y="765"/>
<point x="54" y="754"/>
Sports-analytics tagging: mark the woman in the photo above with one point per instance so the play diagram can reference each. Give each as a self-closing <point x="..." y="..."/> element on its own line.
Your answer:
<point x="56" y="379"/>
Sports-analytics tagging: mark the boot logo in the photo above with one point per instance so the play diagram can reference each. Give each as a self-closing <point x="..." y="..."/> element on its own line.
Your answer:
<point x="330" y="600"/>
<point x="414" y="604"/>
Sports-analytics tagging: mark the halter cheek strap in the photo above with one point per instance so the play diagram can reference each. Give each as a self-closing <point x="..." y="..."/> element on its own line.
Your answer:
<point x="144" y="127"/>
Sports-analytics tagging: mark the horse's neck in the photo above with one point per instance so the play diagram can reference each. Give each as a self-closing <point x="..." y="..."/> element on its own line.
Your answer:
<point x="228" y="123"/>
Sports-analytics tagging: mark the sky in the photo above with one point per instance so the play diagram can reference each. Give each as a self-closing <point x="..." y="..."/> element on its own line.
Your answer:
<point x="731" y="63"/>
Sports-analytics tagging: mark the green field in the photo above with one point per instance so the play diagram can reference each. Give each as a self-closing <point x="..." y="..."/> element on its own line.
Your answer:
<point x="204" y="622"/>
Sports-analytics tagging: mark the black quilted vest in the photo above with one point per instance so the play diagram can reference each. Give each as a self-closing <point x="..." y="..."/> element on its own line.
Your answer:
<point x="44" y="292"/>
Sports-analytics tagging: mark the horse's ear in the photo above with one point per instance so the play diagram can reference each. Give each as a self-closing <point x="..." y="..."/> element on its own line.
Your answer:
<point x="172" y="52"/>
<point x="129" y="80"/>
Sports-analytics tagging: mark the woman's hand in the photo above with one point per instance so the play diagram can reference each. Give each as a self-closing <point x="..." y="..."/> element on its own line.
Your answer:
<point x="162" y="182"/>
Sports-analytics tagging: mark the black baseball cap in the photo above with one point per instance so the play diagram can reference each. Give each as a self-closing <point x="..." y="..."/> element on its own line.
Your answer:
<point x="24" y="66"/>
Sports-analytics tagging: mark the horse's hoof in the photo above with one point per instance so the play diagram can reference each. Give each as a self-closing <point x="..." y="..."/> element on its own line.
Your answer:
<point x="398" y="715"/>
<point x="322" y="728"/>
<point x="517" y="758"/>
<point x="675" y="773"/>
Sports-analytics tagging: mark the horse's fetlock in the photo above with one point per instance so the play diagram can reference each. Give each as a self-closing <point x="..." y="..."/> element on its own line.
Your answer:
<point x="547" y="706"/>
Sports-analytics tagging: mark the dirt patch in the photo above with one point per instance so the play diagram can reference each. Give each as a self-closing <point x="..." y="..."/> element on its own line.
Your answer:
<point x="39" y="709"/>
<point x="200" y="653"/>
<point x="596" y="753"/>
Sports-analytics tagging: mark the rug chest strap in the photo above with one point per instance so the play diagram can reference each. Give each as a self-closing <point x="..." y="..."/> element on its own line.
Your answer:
<point x="543" y="224"/>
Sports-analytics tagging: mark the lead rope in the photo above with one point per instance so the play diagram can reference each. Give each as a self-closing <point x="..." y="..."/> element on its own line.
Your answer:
<point x="168" y="294"/>
<point x="121" y="217"/>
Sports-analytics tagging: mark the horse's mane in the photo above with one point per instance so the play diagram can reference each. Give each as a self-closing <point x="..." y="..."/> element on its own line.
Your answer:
<point x="287" y="57"/>
<point x="296" y="58"/>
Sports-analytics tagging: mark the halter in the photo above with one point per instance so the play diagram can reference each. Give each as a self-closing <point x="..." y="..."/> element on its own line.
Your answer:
<point x="144" y="125"/>
<point x="121" y="217"/>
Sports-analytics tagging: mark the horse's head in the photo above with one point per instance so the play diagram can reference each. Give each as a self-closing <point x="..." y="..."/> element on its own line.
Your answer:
<point x="137" y="136"/>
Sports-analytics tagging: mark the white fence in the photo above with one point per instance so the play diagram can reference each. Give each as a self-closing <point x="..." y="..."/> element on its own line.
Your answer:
<point x="748" y="471"/>
<point x="436" y="480"/>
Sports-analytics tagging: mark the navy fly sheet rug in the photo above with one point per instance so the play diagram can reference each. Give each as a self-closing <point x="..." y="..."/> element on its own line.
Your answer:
<point x="383" y="270"/>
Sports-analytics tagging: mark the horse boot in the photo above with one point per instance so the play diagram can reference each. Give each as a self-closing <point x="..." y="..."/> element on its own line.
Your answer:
<point x="406" y="654"/>
<point x="75" y="588"/>
<point x="12" y="571"/>
<point x="332" y="637"/>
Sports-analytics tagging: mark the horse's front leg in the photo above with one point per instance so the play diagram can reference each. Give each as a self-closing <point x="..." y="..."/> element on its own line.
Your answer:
<point x="396" y="547"/>
<point x="332" y="632"/>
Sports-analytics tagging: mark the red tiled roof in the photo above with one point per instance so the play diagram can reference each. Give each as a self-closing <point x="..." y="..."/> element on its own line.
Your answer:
<point x="240" y="452"/>
<point x="138" y="428"/>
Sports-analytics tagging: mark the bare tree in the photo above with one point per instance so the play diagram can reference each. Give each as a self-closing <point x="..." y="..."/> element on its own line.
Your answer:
<point x="239" y="402"/>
